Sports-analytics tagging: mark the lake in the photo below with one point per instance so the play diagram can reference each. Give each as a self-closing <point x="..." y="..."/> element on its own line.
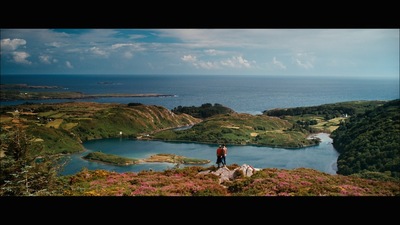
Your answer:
<point x="322" y="157"/>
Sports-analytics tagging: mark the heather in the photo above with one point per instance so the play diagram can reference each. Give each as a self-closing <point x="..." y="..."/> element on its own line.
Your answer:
<point x="189" y="181"/>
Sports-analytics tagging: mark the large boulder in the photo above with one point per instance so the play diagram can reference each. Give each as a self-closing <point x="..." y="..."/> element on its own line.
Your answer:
<point x="225" y="174"/>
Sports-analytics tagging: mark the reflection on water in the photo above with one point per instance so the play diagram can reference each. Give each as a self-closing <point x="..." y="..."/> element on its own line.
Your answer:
<point x="322" y="157"/>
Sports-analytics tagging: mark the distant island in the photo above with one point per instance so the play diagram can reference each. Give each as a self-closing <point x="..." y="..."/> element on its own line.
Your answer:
<point x="123" y="161"/>
<point x="26" y="86"/>
<point x="11" y="95"/>
<point x="12" y="92"/>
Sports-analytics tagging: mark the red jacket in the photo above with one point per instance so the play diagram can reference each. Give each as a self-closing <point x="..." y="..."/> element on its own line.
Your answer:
<point x="220" y="152"/>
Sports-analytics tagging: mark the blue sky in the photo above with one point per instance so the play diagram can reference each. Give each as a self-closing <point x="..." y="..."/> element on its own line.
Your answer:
<point x="369" y="53"/>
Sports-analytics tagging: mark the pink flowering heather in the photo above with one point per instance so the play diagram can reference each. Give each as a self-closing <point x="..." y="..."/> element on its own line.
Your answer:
<point x="188" y="182"/>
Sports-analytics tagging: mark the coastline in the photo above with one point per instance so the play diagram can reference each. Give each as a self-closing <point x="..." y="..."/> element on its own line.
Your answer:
<point x="156" y="158"/>
<point x="322" y="136"/>
<point x="12" y="96"/>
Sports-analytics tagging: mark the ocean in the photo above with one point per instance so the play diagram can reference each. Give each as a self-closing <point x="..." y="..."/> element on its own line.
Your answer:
<point x="243" y="94"/>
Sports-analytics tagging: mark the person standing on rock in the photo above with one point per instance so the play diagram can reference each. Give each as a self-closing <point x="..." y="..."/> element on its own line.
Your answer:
<point x="220" y="153"/>
<point x="225" y="152"/>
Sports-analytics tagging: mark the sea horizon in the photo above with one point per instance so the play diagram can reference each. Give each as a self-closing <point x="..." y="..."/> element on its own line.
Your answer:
<point x="243" y="93"/>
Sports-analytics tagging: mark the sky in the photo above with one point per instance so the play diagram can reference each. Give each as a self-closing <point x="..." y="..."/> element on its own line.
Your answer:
<point x="364" y="53"/>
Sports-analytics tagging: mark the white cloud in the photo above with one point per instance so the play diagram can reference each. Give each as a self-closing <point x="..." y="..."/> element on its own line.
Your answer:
<point x="20" y="57"/>
<point x="326" y="40"/>
<point x="127" y="48"/>
<point x="200" y="63"/>
<point x="279" y="50"/>
<point x="206" y="65"/>
<point x="68" y="64"/>
<point x="243" y="62"/>
<point x="128" y="55"/>
<point x="189" y="58"/>
<point x="8" y="44"/>
<point x="278" y="64"/>
<point x="55" y="44"/>
<point x="115" y="46"/>
<point x="46" y="59"/>
<point x="210" y="51"/>
<point x="236" y="62"/>
<point x="214" y="52"/>
<point x="304" y="60"/>
<point x="98" y="51"/>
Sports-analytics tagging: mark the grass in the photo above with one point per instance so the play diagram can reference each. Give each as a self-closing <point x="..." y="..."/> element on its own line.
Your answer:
<point x="111" y="159"/>
<point x="69" y="126"/>
<point x="55" y="123"/>
<point x="330" y="125"/>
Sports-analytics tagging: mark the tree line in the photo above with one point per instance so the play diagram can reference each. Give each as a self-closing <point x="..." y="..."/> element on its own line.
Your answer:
<point x="369" y="143"/>
<point x="204" y="111"/>
<point x="328" y="111"/>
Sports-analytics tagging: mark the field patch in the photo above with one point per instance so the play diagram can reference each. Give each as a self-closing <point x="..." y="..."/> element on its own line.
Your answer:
<point x="69" y="126"/>
<point x="55" y="123"/>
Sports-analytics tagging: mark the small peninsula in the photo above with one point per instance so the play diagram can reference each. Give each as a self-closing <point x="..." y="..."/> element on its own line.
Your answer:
<point x="123" y="161"/>
<point x="12" y="95"/>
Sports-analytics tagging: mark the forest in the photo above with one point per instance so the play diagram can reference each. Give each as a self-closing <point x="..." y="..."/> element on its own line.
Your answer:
<point x="370" y="142"/>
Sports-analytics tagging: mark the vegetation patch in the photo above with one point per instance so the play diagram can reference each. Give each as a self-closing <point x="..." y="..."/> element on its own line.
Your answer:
<point x="110" y="159"/>
<point x="204" y="111"/>
<point x="54" y="123"/>
<point x="186" y="181"/>
<point x="123" y="161"/>
<point x="69" y="126"/>
<point x="370" y="142"/>
<point x="172" y="158"/>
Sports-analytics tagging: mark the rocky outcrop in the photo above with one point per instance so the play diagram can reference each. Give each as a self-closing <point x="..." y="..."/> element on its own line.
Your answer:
<point x="225" y="174"/>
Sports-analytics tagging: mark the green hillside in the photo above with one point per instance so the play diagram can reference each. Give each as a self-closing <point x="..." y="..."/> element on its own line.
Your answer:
<point x="62" y="127"/>
<point x="242" y="129"/>
<point x="370" y="142"/>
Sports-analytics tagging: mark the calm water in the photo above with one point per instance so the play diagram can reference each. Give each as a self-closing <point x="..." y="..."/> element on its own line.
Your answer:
<point x="322" y="157"/>
<point x="244" y="94"/>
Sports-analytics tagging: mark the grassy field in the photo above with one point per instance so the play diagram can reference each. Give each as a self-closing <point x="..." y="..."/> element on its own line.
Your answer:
<point x="64" y="126"/>
<point x="329" y="125"/>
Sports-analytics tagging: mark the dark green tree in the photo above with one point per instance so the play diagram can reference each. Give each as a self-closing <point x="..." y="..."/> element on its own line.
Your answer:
<point x="370" y="142"/>
<point x="24" y="169"/>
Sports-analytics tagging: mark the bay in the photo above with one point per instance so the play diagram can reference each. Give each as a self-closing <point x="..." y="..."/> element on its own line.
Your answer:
<point x="322" y="157"/>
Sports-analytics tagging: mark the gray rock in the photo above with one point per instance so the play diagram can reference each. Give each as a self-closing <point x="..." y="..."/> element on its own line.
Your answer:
<point x="225" y="174"/>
